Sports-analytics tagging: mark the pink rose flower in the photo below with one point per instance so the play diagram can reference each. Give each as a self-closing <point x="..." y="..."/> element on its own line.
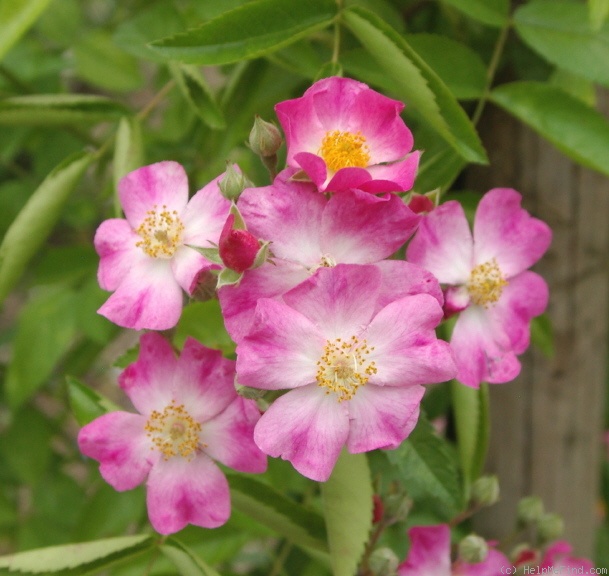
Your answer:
<point x="558" y="555"/>
<point x="308" y="232"/>
<point x="429" y="555"/>
<point x="345" y="135"/>
<point x="355" y="352"/>
<point x="146" y="259"/>
<point x="486" y="280"/>
<point x="189" y="416"/>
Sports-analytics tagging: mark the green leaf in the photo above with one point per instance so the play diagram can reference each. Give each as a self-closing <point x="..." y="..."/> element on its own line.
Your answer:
<point x="101" y="63"/>
<point x="472" y="422"/>
<point x="87" y="404"/>
<point x="186" y="561"/>
<point x="34" y="223"/>
<point x="272" y="509"/>
<point x="128" y="149"/>
<point x="198" y="95"/>
<point x="53" y="109"/>
<point x="438" y="171"/>
<point x="45" y="332"/>
<point x="25" y="446"/>
<point x="579" y="131"/>
<point x="252" y="30"/>
<point x="490" y="12"/>
<point x="560" y="32"/>
<point x="542" y="334"/>
<point x="347" y="500"/>
<point x="75" y="559"/>
<point x="416" y="83"/>
<point x="16" y="18"/>
<point x="459" y="67"/>
<point x="598" y="10"/>
<point x="429" y="470"/>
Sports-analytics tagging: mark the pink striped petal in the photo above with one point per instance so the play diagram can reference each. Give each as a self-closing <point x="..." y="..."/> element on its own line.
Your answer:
<point x="429" y="553"/>
<point x="351" y="222"/>
<point x="282" y="349"/>
<point x="344" y="179"/>
<point x="230" y="437"/>
<point x="149" y="298"/>
<point x="306" y="427"/>
<point x="149" y="382"/>
<point x="443" y="244"/>
<point x="186" y="265"/>
<point x="505" y="231"/>
<point x="160" y="184"/>
<point x="203" y="381"/>
<point x="482" y="350"/>
<point x="118" y="441"/>
<point x="182" y="492"/>
<point x="395" y="177"/>
<point x="115" y="242"/>
<point x="382" y="417"/>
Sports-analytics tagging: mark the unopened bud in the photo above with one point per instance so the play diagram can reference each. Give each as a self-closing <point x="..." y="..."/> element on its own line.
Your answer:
<point x="550" y="527"/>
<point x="530" y="509"/>
<point x="237" y="248"/>
<point x="265" y="138"/>
<point x="473" y="549"/>
<point x="397" y="506"/>
<point x="233" y="183"/>
<point x="383" y="562"/>
<point x="485" y="491"/>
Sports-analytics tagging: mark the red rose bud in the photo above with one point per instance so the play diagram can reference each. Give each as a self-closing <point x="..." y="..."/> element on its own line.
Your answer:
<point x="237" y="248"/>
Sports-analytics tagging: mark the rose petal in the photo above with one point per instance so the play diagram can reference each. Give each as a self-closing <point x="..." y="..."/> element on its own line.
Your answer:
<point x="429" y="553"/>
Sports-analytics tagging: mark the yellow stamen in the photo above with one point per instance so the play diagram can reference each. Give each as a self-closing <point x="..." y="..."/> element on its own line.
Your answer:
<point x="344" y="149"/>
<point x="486" y="283"/>
<point x="344" y="367"/>
<point x="161" y="233"/>
<point x="174" y="432"/>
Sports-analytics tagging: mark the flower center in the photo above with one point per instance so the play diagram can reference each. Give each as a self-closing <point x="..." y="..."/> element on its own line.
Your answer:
<point x="174" y="432"/>
<point x="486" y="283"/>
<point x="344" y="367"/>
<point x="344" y="149"/>
<point x="161" y="233"/>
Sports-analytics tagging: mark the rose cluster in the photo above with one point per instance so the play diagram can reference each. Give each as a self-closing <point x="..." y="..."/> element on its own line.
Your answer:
<point x="317" y="298"/>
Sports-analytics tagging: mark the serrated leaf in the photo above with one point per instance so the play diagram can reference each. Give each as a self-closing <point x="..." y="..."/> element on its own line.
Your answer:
<point x="39" y="345"/>
<point x="574" y="128"/>
<point x="16" y="18"/>
<point x="198" y="95"/>
<point x="53" y="109"/>
<point x="185" y="560"/>
<point x="75" y="559"/>
<point x="429" y="470"/>
<point x="87" y="404"/>
<point x="416" y="83"/>
<point x="598" y="10"/>
<point x="272" y="509"/>
<point x="490" y="12"/>
<point x="347" y="500"/>
<point x="560" y="31"/>
<point x="250" y="31"/>
<point x="36" y="220"/>
<point x="472" y="423"/>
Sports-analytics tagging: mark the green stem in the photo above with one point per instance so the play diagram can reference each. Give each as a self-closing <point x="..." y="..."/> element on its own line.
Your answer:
<point x="336" y="48"/>
<point x="280" y="559"/>
<point x="491" y="71"/>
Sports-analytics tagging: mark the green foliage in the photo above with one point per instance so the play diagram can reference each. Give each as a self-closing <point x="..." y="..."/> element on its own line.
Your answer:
<point x="489" y="12"/>
<point x="579" y="131"/>
<point x="347" y="498"/>
<point x="186" y="561"/>
<point x="36" y="220"/>
<point x="248" y="32"/>
<point x="16" y="18"/>
<point x="428" y="468"/>
<point x="561" y="32"/>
